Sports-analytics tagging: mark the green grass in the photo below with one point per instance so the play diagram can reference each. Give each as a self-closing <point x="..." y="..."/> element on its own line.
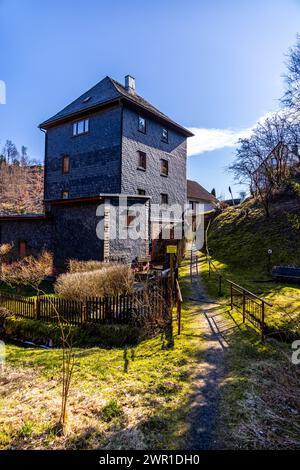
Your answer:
<point x="46" y="287"/>
<point x="120" y="398"/>
<point x="259" y="408"/>
<point x="238" y="244"/>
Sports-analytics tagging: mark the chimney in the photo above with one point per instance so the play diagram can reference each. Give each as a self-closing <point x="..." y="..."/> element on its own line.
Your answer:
<point x="130" y="84"/>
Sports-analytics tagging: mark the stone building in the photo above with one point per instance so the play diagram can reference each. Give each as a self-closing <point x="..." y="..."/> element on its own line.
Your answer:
<point x="106" y="147"/>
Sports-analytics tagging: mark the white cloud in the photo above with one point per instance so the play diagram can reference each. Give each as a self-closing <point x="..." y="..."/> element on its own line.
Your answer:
<point x="206" y="139"/>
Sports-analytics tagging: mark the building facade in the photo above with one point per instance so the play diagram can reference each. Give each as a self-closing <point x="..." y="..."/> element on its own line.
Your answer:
<point x="108" y="144"/>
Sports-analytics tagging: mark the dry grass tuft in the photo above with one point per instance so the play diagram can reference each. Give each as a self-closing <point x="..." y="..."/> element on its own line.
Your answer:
<point x="75" y="266"/>
<point x="110" y="280"/>
<point x="270" y="407"/>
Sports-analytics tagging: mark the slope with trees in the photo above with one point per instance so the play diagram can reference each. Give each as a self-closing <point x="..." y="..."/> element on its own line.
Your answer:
<point x="21" y="182"/>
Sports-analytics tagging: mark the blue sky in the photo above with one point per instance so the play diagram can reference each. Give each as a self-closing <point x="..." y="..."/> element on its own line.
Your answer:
<point x="215" y="66"/>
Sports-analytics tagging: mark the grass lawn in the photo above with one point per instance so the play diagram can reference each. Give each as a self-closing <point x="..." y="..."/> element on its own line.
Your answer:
<point x="136" y="398"/>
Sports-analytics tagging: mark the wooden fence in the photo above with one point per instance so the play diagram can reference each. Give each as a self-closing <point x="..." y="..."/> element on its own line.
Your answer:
<point x="150" y="303"/>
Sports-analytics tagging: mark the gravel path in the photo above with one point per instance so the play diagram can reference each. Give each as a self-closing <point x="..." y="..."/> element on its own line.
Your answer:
<point x="209" y="372"/>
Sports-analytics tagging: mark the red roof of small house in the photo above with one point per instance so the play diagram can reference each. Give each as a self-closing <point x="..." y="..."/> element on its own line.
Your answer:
<point x="196" y="191"/>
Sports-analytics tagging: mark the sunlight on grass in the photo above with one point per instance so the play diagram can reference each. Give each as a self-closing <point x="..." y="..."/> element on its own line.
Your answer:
<point x="134" y="397"/>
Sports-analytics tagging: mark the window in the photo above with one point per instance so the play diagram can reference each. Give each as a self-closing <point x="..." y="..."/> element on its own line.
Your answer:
<point x="165" y="135"/>
<point x="65" y="195"/>
<point x="164" y="198"/>
<point x="142" y="161"/>
<point x="66" y="164"/>
<point x="192" y="205"/>
<point x="81" y="127"/>
<point x="164" y="167"/>
<point x="141" y="192"/>
<point x="130" y="217"/>
<point x="142" y="125"/>
<point x="22" y="249"/>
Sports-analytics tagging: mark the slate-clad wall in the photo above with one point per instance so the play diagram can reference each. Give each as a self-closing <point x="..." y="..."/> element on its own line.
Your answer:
<point x="94" y="157"/>
<point x="128" y="248"/>
<point x="37" y="234"/>
<point x="74" y="233"/>
<point x="151" y="143"/>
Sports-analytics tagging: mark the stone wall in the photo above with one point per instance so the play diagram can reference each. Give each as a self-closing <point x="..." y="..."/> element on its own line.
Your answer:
<point x="37" y="234"/>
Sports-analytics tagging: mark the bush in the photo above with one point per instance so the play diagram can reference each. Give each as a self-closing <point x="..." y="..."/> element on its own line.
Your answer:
<point x="110" y="280"/>
<point x="28" y="271"/>
<point x="75" y="266"/>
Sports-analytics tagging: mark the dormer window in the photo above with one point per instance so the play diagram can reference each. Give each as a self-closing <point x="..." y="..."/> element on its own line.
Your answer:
<point x="142" y="125"/>
<point x="165" y="135"/>
<point x="81" y="127"/>
<point x="65" y="194"/>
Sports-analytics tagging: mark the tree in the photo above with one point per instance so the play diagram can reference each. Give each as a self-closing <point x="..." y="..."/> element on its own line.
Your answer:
<point x="10" y="153"/>
<point x="265" y="160"/>
<point x="291" y="98"/>
<point x="213" y="192"/>
<point x="21" y="182"/>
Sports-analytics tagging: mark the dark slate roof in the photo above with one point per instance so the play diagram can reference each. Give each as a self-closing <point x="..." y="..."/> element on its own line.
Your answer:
<point x="105" y="92"/>
<point x="196" y="191"/>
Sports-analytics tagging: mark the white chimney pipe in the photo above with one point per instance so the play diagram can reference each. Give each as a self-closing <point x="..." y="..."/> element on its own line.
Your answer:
<point x="130" y="83"/>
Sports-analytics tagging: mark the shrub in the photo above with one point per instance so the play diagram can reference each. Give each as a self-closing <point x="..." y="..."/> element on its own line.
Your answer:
<point x="75" y="266"/>
<point x="110" y="280"/>
<point x="28" y="271"/>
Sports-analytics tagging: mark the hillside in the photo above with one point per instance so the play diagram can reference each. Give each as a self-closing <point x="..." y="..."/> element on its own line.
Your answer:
<point x="239" y="239"/>
<point x="240" y="236"/>
<point x="21" y="189"/>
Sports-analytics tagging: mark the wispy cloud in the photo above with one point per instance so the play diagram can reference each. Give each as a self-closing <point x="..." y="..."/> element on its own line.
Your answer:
<point x="208" y="139"/>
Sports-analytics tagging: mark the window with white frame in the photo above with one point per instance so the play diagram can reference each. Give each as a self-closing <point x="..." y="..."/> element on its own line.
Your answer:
<point x="80" y="127"/>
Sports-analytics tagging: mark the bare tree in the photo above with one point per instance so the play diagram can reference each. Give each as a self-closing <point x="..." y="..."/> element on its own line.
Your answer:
<point x="291" y="98"/>
<point x="31" y="271"/>
<point x="265" y="160"/>
<point x="21" y="182"/>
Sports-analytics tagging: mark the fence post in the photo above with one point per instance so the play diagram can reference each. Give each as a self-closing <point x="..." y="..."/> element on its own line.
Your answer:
<point x="244" y="306"/>
<point x="38" y="308"/>
<point x="231" y="297"/>
<point x="263" y="321"/>
<point x="179" y="315"/>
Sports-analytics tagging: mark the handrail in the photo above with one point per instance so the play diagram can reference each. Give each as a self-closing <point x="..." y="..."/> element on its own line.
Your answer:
<point x="179" y="302"/>
<point x="178" y="291"/>
<point x="250" y="293"/>
<point x="246" y="294"/>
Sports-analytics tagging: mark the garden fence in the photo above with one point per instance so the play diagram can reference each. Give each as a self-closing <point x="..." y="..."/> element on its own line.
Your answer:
<point x="150" y="303"/>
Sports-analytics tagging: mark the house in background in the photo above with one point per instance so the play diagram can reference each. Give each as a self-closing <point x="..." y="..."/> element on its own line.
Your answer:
<point x="198" y="196"/>
<point x="109" y="142"/>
